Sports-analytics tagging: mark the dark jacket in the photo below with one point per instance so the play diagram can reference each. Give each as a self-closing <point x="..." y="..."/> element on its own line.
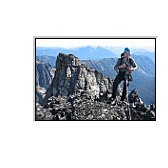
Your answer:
<point x="129" y="63"/>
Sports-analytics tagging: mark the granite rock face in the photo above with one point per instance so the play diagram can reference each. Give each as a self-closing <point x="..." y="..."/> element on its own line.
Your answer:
<point x="44" y="75"/>
<point x="73" y="78"/>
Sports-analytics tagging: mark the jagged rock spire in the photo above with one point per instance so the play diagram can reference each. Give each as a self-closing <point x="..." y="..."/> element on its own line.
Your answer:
<point x="73" y="78"/>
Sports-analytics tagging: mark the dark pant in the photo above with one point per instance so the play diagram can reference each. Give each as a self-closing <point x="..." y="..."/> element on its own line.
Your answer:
<point x="117" y="81"/>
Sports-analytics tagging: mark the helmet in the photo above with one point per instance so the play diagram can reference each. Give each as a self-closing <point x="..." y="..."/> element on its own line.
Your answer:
<point x="127" y="50"/>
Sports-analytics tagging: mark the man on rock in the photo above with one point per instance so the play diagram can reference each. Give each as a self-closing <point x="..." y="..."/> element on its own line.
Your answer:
<point x="123" y="64"/>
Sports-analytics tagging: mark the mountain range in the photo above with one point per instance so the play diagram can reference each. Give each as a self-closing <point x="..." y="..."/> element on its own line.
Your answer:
<point x="143" y="77"/>
<point x="47" y="59"/>
<point x="44" y="75"/>
<point x="93" y="53"/>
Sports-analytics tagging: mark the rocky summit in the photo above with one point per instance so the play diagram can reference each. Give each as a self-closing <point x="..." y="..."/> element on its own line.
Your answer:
<point x="74" y="78"/>
<point x="84" y="107"/>
<point x="78" y="92"/>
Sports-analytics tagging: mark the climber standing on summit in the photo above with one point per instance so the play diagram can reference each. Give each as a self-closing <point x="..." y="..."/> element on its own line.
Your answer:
<point x="123" y="64"/>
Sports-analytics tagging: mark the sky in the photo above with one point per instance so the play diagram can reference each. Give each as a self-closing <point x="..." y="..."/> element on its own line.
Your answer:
<point x="148" y="44"/>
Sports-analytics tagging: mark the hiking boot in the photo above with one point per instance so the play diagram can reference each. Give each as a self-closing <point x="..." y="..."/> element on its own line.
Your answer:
<point x="123" y="99"/>
<point x="125" y="118"/>
<point x="113" y="101"/>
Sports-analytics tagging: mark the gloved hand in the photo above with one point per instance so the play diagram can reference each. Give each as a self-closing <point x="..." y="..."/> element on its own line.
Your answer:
<point x="122" y="66"/>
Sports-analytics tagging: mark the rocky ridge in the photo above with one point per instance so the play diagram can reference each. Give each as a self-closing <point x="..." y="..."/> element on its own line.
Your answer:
<point x="143" y="76"/>
<point x="86" y="108"/>
<point x="78" y="92"/>
<point x="44" y="75"/>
